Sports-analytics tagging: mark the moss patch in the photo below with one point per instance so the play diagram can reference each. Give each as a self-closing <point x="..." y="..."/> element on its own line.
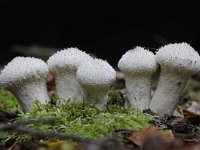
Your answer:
<point x="81" y="120"/>
<point x="8" y="102"/>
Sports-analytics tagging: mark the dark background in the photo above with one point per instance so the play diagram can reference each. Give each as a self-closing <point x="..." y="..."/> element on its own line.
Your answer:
<point x="107" y="30"/>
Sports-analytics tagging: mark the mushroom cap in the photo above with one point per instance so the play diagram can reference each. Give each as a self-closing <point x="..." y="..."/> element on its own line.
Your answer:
<point x="69" y="58"/>
<point x="23" y="68"/>
<point x="96" y="72"/>
<point x="179" y="56"/>
<point x="138" y="60"/>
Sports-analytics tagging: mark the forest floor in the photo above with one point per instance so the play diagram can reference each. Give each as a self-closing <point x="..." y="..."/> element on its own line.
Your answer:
<point x="73" y="127"/>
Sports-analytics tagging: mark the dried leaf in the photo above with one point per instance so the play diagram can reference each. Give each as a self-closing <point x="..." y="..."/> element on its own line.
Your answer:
<point x="193" y="117"/>
<point x="178" y="124"/>
<point x="139" y="137"/>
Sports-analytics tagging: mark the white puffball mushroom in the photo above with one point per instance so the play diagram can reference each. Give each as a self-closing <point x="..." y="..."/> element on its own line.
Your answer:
<point x="63" y="65"/>
<point x="138" y="66"/>
<point x="25" y="77"/>
<point x="96" y="78"/>
<point x="177" y="62"/>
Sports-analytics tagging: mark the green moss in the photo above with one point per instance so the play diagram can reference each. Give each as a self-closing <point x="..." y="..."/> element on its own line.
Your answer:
<point x="8" y="102"/>
<point x="83" y="120"/>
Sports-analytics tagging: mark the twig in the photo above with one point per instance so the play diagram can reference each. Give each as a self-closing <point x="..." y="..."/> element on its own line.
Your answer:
<point x="40" y="134"/>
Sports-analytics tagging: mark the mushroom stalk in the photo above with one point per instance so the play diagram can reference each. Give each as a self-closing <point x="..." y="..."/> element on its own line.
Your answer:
<point x="168" y="92"/>
<point x="96" y="96"/>
<point x="29" y="93"/>
<point x="67" y="86"/>
<point x="138" y="90"/>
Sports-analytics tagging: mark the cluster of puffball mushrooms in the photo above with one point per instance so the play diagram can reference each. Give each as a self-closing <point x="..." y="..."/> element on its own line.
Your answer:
<point x="81" y="78"/>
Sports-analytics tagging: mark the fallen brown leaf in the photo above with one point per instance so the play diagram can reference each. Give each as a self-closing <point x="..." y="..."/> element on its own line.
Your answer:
<point x="139" y="137"/>
<point x="193" y="117"/>
<point x="178" y="124"/>
<point x="192" y="113"/>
